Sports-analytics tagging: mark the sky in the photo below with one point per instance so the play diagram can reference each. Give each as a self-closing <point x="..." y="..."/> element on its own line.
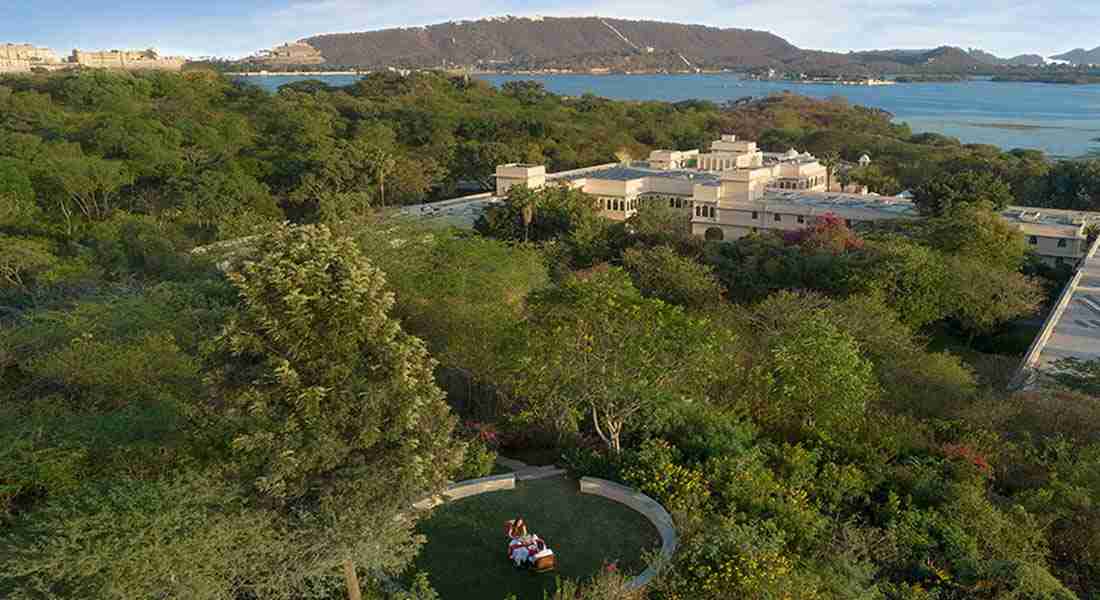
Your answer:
<point x="237" y="28"/>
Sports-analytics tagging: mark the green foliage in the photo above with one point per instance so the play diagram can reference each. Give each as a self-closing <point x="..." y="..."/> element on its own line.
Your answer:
<point x="655" y="224"/>
<point x="596" y="345"/>
<point x="23" y="260"/>
<point x="460" y="294"/>
<point x="551" y="213"/>
<point x="661" y="273"/>
<point x="912" y="278"/>
<point x="607" y="584"/>
<point x="653" y="469"/>
<point x="817" y="383"/>
<point x="942" y="194"/>
<point x="1071" y="184"/>
<point x="143" y="539"/>
<point x="975" y="232"/>
<point x="319" y="382"/>
<point x="167" y="433"/>
<point x="477" y="462"/>
<point x="1078" y="375"/>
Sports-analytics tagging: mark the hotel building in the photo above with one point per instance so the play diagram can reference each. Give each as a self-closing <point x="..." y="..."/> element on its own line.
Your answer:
<point x="735" y="190"/>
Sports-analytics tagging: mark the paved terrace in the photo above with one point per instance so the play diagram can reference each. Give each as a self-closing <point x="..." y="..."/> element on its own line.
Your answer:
<point x="1073" y="328"/>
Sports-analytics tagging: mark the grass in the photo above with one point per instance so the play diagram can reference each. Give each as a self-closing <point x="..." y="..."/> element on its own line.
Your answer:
<point x="465" y="554"/>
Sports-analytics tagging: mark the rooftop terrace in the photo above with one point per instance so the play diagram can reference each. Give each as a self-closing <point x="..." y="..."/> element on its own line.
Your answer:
<point x="1073" y="327"/>
<point x="635" y="170"/>
<point x="888" y="206"/>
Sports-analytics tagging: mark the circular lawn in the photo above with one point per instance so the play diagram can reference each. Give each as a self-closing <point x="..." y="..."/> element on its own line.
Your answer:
<point x="465" y="555"/>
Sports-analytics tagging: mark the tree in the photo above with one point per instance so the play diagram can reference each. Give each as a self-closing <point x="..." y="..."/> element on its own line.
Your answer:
<point x="977" y="233"/>
<point x="333" y="408"/>
<point x="464" y="311"/>
<point x="89" y="186"/>
<point x="526" y="92"/>
<point x="944" y="192"/>
<point x="382" y="164"/>
<point x="661" y="273"/>
<point x="815" y="382"/>
<point x="984" y="298"/>
<point x="655" y="224"/>
<point x="876" y="180"/>
<point x="911" y="278"/>
<point x="831" y="160"/>
<point x="23" y="259"/>
<point x="1071" y="184"/>
<point x="553" y="212"/>
<point x="595" y="344"/>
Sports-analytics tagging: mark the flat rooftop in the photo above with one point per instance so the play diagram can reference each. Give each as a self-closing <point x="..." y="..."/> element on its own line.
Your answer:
<point x="636" y="170"/>
<point x="1073" y="328"/>
<point x="888" y="206"/>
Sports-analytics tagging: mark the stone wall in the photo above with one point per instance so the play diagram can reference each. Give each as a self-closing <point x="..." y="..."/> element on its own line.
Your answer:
<point x="14" y="65"/>
<point x="127" y="60"/>
<point x="297" y="53"/>
<point x="28" y="53"/>
<point x="470" y="487"/>
<point x="648" y="507"/>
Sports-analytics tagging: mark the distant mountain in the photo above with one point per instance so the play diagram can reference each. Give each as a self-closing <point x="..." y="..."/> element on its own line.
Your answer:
<point x="938" y="60"/>
<point x="1080" y="56"/>
<point x="595" y="43"/>
<point x="543" y="42"/>
<point x="1020" y="60"/>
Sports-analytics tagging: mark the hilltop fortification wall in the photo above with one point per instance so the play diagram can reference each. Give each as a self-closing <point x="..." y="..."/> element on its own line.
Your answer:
<point x="128" y="60"/>
<point x="20" y="58"/>
<point x="28" y="53"/>
<point x="297" y="53"/>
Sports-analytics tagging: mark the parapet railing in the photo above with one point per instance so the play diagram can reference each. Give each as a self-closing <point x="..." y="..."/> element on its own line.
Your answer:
<point x="1027" y="373"/>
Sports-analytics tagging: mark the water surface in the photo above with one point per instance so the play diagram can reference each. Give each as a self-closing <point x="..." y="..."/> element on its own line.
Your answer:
<point x="1062" y="120"/>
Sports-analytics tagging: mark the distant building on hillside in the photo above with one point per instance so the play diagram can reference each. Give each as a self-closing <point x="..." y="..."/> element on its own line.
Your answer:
<point x="296" y="53"/>
<point x="126" y="60"/>
<point x="21" y="58"/>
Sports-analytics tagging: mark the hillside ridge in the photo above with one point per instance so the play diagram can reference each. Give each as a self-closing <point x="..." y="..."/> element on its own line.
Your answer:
<point x="598" y="43"/>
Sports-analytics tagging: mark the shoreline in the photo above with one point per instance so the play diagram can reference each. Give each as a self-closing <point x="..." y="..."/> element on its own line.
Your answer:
<point x="293" y="73"/>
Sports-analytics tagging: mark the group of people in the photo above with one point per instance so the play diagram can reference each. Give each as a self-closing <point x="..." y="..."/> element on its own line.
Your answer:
<point x="527" y="549"/>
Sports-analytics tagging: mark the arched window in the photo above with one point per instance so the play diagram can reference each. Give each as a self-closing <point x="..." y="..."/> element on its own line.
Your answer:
<point x="714" y="234"/>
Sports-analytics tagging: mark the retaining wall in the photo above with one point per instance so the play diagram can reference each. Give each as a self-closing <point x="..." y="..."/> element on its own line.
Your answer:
<point x="648" y="507"/>
<point x="470" y="487"/>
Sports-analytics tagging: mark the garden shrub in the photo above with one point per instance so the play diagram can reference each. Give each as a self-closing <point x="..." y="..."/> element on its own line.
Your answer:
<point x="654" y="470"/>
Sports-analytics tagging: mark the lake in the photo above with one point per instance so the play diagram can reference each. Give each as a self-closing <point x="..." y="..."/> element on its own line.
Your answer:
<point x="1062" y="120"/>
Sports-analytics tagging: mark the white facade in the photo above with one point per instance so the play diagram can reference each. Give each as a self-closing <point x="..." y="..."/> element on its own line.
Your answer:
<point x="736" y="190"/>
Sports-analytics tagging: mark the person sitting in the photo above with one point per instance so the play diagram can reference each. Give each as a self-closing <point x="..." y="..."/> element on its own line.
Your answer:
<point x="527" y="549"/>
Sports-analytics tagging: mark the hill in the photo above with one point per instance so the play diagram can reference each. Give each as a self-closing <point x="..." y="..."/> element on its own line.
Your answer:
<point x="596" y="43"/>
<point x="1080" y="56"/>
<point x="942" y="59"/>
<point x="550" y="42"/>
<point x="1020" y="60"/>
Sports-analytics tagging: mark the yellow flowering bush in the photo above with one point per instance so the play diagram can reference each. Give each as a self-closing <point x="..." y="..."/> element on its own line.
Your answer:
<point x="655" y="472"/>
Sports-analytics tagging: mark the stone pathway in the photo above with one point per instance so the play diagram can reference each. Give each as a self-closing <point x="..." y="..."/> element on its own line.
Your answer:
<point x="526" y="472"/>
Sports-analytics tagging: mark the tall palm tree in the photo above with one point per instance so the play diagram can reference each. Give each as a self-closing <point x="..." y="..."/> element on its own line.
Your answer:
<point x="383" y="163"/>
<point x="831" y="162"/>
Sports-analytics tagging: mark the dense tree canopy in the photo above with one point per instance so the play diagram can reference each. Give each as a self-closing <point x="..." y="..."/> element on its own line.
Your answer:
<point x="250" y="419"/>
<point x="943" y="193"/>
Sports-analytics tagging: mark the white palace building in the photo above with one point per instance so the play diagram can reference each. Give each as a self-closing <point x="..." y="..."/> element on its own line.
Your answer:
<point x="735" y="190"/>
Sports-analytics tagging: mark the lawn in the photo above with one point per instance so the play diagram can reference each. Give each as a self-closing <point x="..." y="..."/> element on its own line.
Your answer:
<point x="465" y="555"/>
